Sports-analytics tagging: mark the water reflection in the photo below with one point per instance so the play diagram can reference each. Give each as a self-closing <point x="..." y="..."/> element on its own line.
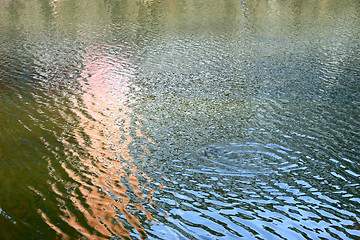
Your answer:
<point x="107" y="186"/>
<point x="179" y="119"/>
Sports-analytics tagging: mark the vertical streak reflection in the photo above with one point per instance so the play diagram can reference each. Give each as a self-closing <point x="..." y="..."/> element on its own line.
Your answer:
<point x="108" y="191"/>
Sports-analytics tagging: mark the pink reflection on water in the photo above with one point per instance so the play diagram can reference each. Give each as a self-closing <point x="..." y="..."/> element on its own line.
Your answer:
<point x="105" y="131"/>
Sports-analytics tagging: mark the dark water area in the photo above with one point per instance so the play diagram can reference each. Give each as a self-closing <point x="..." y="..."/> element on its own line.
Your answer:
<point x="179" y="119"/>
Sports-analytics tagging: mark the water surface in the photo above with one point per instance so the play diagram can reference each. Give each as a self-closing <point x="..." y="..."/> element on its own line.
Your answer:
<point x="179" y="119"/>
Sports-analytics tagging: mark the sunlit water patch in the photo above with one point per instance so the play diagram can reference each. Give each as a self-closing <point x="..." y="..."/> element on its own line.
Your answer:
<point x="255" y="190"/>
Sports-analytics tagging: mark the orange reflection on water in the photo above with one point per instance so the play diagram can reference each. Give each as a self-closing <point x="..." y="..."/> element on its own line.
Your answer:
<point x="105" y="172"/>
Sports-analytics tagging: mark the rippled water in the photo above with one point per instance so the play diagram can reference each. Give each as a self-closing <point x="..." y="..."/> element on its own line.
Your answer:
<point x="193" y="119"/>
